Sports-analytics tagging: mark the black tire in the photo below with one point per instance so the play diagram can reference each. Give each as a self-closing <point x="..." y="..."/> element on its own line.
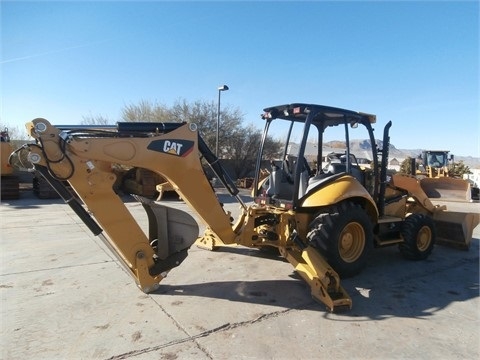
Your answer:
<point x="344" y="237"/>
<point x="419" y="236"/>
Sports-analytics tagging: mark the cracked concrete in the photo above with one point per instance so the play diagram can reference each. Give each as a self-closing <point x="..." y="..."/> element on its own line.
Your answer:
<point x="64" y="296"/>
<point x="226" y="327"/>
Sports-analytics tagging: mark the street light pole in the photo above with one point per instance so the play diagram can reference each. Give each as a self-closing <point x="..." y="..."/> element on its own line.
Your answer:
<point x="220" y="89"/>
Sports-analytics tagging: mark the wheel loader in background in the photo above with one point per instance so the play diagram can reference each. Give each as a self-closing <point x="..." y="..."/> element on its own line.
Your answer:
<point x="10" y="183"/>
<point x="438" y="182"/>
<point x="143" y="182"/>
<point x="323" y="222"/>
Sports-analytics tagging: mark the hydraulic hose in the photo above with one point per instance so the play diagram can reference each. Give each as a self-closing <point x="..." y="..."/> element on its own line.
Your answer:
<point x="70" y="200"/>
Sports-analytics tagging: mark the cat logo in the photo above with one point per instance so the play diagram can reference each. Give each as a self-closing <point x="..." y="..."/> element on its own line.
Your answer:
<point x="175" y="147"/>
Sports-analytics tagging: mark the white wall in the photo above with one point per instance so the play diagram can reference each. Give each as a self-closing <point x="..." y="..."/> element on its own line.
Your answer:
<point x="475" y="176"/>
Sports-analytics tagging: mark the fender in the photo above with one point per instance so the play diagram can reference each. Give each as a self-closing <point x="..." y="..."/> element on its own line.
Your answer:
<point x="331" y="191"/>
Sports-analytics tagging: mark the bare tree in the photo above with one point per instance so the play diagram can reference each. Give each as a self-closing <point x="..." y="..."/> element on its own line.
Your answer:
<point x="204" y="114"/>
<point x="95" y="120"/>
<point x="243" y="149"/>
<point x="146" y="111"/>
<point x="14" y="132"/>
<point x="237" y="144"/>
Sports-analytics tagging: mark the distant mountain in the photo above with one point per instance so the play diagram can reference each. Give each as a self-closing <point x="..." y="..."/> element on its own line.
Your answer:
<point x="362" y="148"/>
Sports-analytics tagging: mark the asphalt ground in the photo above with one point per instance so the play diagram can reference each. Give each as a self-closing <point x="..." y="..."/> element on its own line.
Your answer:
<point x="64" y="296"/>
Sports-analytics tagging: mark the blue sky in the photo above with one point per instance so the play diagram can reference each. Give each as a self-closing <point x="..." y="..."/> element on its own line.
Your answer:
<point x="415" y="63"/>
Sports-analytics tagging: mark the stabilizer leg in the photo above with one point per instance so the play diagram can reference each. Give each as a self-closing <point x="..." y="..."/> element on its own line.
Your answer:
<point x="323" y="280"/>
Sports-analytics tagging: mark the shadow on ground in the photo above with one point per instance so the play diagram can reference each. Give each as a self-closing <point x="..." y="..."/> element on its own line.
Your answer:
<point x="389" y="287"/>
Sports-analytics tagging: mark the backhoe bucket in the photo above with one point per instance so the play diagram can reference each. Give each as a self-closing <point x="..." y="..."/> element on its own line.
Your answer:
<point x="455" y="229"/>
<point x="447" y="188"/>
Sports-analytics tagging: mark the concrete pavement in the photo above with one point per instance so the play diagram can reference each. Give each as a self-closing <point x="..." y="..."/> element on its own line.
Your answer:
<point x="64" y="296"/>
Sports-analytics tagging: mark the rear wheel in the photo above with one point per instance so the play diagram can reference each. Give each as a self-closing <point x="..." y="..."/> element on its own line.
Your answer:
<point x="344" y="237"/>
<point x="419" y="235"/>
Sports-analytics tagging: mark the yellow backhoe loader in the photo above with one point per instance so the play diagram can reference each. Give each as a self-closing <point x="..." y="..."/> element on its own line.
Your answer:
<point x="323" y="222"/>
<point x="438" y="182"/>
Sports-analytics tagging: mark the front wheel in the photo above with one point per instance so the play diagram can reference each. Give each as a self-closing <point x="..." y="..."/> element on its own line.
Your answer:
<point x="419" y="235"/>
<point x="344" y="237"/>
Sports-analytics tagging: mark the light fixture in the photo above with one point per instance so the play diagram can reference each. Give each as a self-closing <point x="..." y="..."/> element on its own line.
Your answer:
<point x="220" y="89"/>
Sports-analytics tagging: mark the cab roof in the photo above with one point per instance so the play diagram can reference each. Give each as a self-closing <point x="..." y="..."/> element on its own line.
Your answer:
<point x="325" y="115"/>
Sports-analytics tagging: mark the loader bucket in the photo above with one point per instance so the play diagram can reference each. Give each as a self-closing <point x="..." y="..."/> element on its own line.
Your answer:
<point x="447" y="188"/>
<point x="455" y="229"/>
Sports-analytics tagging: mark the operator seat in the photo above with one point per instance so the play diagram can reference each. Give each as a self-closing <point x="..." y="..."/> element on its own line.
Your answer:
<point x="333" y="169"/>
<point x="355" y="171"/>
<point x="285" y="186"/>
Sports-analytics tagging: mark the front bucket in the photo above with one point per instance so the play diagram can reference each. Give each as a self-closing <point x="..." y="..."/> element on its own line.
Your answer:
<point x="455" y="228"/>
<point x="447" y="188"/>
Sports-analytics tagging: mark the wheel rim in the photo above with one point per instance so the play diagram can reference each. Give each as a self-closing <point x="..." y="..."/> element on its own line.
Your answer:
<point x="351" y="242"/>
<point x="424" y="238"/>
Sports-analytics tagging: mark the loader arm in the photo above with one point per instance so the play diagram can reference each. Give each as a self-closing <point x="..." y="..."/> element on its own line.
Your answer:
<point x="412" y="185"/>
<point x="453" y="228"/>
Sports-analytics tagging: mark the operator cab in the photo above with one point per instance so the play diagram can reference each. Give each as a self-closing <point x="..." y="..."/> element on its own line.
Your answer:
<point x="437" y="158"/>
<point x="307" y="145"/>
